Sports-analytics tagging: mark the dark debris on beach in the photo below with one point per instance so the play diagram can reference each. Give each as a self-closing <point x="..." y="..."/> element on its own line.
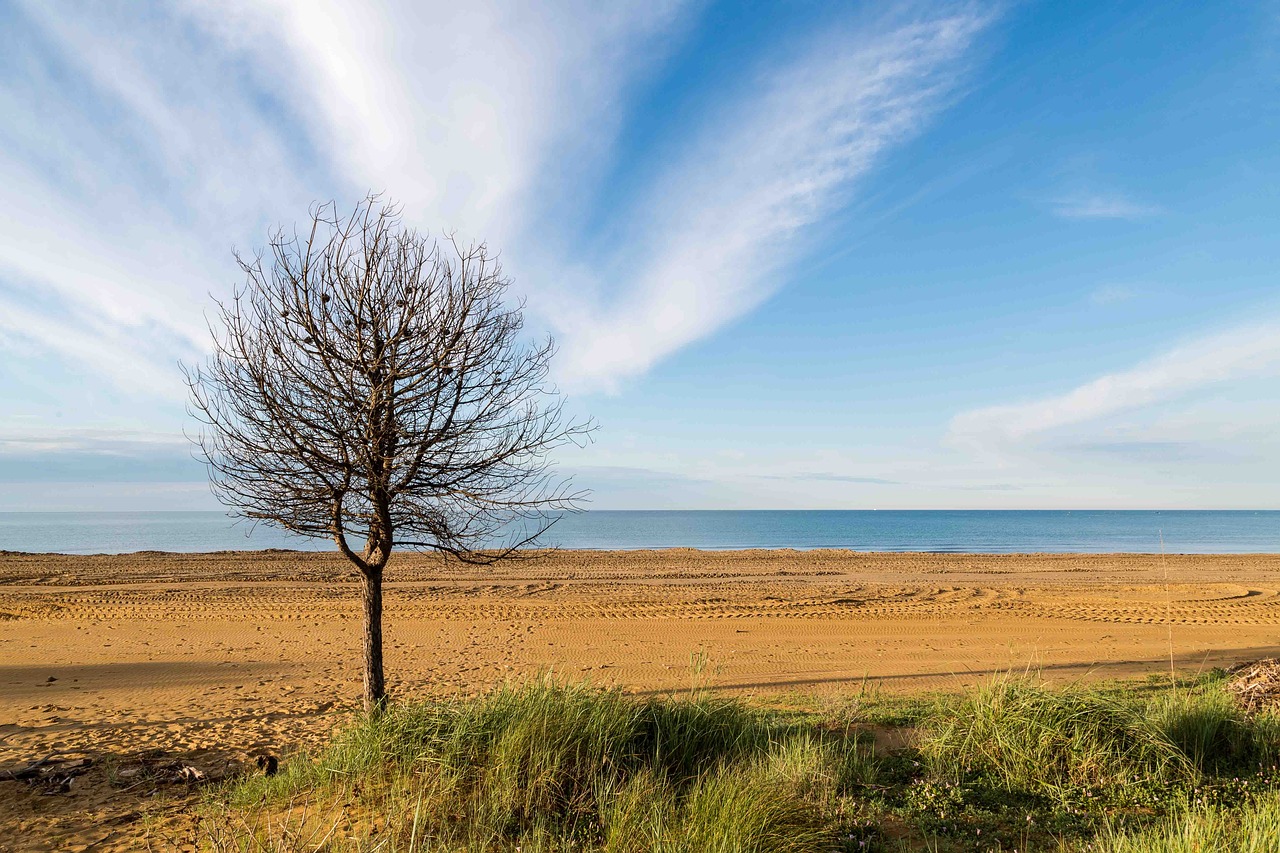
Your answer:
<point x="1256" y="685"/>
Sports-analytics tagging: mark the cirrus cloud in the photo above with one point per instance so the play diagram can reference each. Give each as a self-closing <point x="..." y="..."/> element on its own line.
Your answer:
<point x="139" y="142"/>
<point x="1236" y="354"/>
<point x="721" y="227"/>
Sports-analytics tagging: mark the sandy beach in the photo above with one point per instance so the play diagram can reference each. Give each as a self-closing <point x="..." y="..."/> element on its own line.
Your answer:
<point x="213" y="658"/>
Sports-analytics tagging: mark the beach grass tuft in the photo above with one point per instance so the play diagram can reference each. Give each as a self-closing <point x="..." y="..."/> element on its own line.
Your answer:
<point x="545" y="766"/>
<point x="1058" y="743"/>
<point x="1012" y="764"/>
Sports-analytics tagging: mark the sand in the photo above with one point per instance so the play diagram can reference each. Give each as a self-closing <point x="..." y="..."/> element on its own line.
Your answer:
<point x="211" y="659"/>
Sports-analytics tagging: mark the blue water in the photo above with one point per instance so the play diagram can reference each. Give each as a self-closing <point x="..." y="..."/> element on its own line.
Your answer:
<point x="978" y="531"/>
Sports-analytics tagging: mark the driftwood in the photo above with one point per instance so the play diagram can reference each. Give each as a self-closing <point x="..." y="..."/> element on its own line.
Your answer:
<point x="52" y="773"/>
<point x="162" y="769"/>
<point x="30" y="771"/>
<point x="1256" y="685"/>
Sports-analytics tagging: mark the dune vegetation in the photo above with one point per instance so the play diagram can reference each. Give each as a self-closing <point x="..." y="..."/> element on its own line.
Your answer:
<point x="1012" y="765"/>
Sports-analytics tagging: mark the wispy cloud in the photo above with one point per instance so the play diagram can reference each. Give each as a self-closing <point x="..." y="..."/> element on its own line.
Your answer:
<point x="831" y="478"/>
<point x="96" y="456"/>
<point x="724" y="223"/>
<point x="1243" y="352"/>
<point x="1141" y="451"/>
<point x="1104" y="205"/>
<point x="124" y="184"/>
<point x="469" y="113"/>
<point x="138" y="144"/>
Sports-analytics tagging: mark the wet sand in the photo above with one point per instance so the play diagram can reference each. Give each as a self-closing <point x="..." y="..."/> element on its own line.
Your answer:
<point x="213" y="658"/>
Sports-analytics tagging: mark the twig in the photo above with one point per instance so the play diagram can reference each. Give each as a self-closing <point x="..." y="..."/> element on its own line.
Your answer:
<point x="32" y="769"/>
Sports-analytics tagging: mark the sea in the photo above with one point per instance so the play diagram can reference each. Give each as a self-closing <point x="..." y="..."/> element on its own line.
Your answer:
<point x="941" y="531"/>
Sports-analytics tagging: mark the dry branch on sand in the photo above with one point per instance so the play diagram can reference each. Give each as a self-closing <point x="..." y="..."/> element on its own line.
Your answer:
<point x="52" y="774"/>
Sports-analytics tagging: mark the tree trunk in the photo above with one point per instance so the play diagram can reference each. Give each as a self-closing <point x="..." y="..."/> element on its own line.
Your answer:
<point x="375" y="690"/>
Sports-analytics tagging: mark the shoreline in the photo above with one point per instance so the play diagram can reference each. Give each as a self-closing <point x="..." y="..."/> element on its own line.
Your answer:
<point x="534" y="553"/>
<point x="1022" y="532"/>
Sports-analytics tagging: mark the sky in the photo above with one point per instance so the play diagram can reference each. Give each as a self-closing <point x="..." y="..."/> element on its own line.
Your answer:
<point x="795" y="255"/>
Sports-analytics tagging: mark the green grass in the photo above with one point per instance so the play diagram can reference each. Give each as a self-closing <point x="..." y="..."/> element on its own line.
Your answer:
<point x="1251" y="827"/>
<point x="1059" y="744"/>
<point x="545" y="767"/>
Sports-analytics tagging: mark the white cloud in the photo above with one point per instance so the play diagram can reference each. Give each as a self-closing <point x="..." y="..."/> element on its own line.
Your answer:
<point x="123" y="355"/>
<point x="459" y="110"/>
<point x="1240" y="353"/>
<point x="89" y="455"/>
<point x="139" y="145"/>
<point x="102" y="441"/>
<point x="130" y="160"/>
<point x="95" y="496"/>
<point x="1101" y="206"/>
<point x="724" y="222"/>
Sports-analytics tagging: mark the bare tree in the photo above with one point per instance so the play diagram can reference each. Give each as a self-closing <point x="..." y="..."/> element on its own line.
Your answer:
<point x="371" y="386"/>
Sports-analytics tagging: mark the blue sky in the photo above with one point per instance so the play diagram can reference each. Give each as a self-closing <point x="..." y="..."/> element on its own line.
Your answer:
<point x="795" y="254"/>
